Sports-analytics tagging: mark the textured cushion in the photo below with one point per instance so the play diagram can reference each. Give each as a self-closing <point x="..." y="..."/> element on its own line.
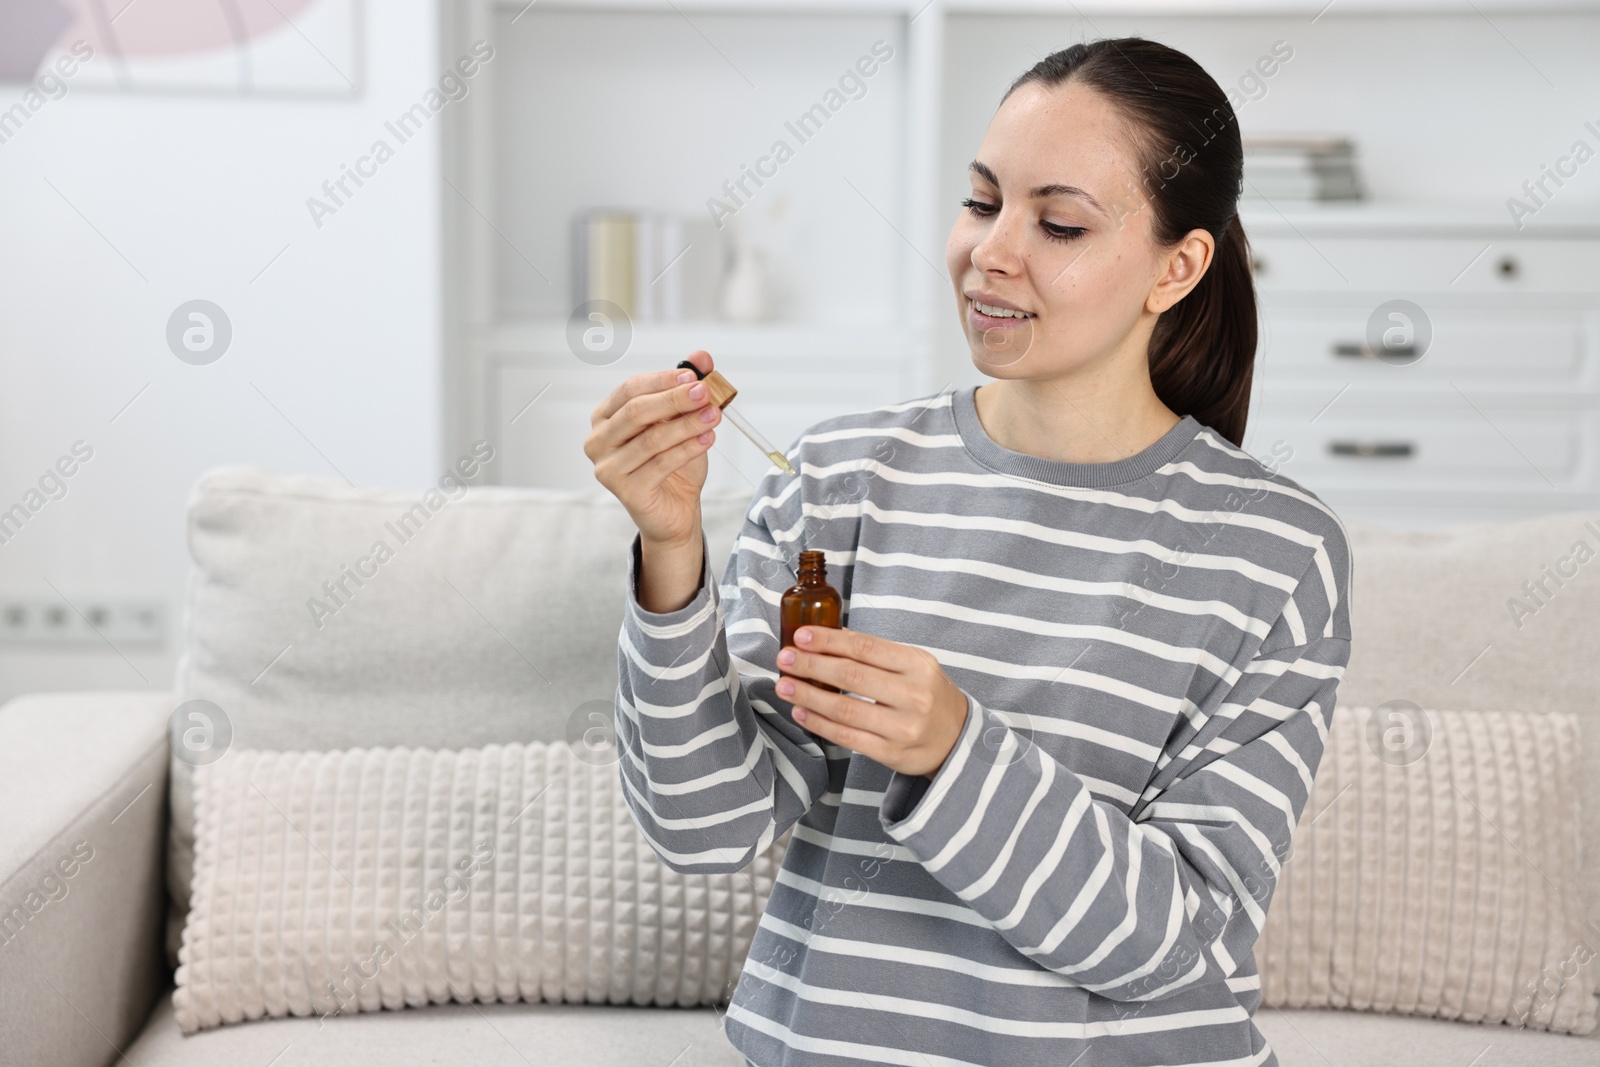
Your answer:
<point x="335" y="882"/>
<point x="1435" y="872"/>
<point x="493" y="617"/>
<point x="1444" y="618"/>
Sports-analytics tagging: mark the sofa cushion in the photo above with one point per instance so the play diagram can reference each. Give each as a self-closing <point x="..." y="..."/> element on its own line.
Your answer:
<point x="323" y="616"/>
<point x="1435" y="872"/>
<point x="1315" y="1038"/>
<point x="515" y="1035"/>
<point x="363" y="879"/>
<point x="1486" y="616"/>
<point x="512" y="1035"/>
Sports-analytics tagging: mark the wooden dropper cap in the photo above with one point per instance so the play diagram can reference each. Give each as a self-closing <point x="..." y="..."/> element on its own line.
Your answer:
<point x="720" y="388"/>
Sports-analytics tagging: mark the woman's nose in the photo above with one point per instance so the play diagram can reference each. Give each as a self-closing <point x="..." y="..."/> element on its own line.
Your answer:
<point x="1000" y="246"/>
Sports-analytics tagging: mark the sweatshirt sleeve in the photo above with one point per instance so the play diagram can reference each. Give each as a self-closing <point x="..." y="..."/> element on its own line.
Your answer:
<point x="1173" y="894"/>
<point x="713" y="766"/>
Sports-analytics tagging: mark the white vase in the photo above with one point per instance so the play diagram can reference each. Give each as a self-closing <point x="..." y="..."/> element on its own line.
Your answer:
<point x="744" y="290"/>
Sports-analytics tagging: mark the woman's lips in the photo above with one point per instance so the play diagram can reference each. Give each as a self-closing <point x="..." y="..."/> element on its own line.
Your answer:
<point x="984" y="323"/>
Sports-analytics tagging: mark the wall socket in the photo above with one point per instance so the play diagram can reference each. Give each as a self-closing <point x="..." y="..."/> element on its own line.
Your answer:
<point x="51" y="621"/>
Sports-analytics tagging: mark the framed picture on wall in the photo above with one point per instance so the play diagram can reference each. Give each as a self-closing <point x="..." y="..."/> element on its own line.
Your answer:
<point x="266" y="47"/>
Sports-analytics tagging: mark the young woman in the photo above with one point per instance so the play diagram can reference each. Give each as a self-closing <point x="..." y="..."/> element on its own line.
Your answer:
<point x="1091" y="646"/>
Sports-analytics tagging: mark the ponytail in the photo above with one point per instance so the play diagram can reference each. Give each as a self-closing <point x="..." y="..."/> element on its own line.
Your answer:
<point x="1203" y="348"/>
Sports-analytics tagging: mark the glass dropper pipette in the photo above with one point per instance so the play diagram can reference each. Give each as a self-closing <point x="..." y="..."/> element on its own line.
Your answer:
<point x="722" y="392"/>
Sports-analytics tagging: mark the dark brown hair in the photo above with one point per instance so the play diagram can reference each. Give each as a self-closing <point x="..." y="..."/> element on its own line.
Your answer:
<point x="1186" y="138"/>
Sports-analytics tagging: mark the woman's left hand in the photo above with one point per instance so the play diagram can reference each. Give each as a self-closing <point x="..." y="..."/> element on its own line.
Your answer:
<point x="918" y="712"/>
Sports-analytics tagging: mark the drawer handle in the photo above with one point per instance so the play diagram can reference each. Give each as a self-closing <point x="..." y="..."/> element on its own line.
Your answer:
<point x="1369" y="449"/>
<point x="1363" y="350"/>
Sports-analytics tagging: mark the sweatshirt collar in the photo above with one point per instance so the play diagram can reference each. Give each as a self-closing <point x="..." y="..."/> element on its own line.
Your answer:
<point x="988" y="452"/>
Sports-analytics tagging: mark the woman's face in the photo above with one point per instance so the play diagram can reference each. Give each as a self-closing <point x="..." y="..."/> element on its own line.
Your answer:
<point x="1059" y="228"/>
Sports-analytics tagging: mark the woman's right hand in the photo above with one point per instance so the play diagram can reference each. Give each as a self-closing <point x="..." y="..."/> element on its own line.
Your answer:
<point x="647" y="450"/>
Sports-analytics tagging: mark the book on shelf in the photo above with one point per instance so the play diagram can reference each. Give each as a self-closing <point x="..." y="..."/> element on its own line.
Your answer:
<point x="657" y="266"/>
<point x="1301" y="168"/>
<point x="1299" y="144"/>
<point x="602" y="267"/>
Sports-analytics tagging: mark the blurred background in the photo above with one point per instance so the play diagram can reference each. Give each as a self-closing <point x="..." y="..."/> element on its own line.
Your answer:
<point x="355" y="240"/>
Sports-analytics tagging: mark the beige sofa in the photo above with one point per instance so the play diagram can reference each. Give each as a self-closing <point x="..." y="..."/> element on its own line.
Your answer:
<point x="495" y="620"/>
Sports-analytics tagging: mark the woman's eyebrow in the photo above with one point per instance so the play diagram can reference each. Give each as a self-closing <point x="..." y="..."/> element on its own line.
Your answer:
<point x="1039" y="192"/>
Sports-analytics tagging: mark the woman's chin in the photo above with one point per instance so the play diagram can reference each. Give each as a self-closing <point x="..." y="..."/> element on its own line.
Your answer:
<point x="997" y="351"/>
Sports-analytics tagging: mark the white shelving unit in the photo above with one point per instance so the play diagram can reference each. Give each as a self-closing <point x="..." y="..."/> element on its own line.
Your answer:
<point x="1497" y="417"/>
<point x="653" y="104"/>
<point x="639" y="104"/>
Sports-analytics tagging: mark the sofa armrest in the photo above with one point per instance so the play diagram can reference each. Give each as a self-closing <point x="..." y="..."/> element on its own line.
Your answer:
<point x="83" y="787"/>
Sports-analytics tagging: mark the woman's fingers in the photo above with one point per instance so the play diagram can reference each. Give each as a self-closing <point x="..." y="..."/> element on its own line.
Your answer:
<point x="659" y="467"/>
<point x="859" y="646"/>
<point x="639" y="414"/>
<point x="857" y="677"/>
<point x="629" y="388"/>
<point x="645" y="384"/>
<point x="641" y="436"/>
<point x="639" y="402"/>
<point x="881" y="721"/>
<point x="662" y="437"/>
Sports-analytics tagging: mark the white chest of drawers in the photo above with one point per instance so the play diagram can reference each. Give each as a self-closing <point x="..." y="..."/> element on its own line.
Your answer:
<point x="1426" y="366"/>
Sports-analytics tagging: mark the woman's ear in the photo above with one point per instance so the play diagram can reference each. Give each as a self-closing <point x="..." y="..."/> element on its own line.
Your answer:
<point x="1185" y="266"/>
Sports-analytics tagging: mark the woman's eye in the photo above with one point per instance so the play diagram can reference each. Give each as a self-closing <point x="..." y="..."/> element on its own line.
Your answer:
<point x="1051" y="230"/>
<point x="1062" y="233"/>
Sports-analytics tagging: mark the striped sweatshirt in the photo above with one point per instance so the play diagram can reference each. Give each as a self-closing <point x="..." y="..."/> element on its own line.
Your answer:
<point x="1150" y="649"/>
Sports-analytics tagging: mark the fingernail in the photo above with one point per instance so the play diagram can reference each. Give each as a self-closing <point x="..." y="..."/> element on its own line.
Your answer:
<point x="697" y="391"/>
<point x="803" y="637"/>
<point x="786" y="688"/>
<point x="799" y="714"/>
<point x="686" y="376"/>
<point x="786" y="657"/>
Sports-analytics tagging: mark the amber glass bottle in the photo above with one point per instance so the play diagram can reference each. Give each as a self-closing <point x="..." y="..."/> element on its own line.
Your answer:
<point x="809" y="602"/>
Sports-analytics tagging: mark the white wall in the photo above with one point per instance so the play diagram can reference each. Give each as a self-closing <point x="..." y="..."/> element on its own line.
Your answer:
<point x="199" y="193"/>
<point x="1449" y="108"/>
